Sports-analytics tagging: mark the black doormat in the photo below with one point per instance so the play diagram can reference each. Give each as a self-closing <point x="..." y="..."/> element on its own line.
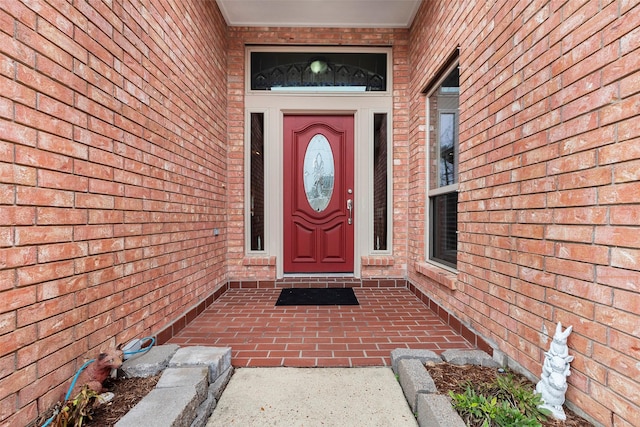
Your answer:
<point x="317" y="296"/>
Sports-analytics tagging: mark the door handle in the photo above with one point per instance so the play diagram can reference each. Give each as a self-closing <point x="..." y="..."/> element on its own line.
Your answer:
<point x="350" y="209"/>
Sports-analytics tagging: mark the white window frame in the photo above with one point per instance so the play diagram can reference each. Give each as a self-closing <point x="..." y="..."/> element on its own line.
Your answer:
<point x="430" y="193"/>
<point x="389" y="217"/>
<point x="247" y="182"/>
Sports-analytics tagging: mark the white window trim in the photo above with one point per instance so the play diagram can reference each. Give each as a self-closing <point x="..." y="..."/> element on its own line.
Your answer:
<point x="247" y="181"/>
<point x="371" y="220"/>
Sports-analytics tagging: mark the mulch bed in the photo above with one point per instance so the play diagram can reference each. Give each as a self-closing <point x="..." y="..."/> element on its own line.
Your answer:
<point x="448" y="377"/>
<point x="128" y="392"/>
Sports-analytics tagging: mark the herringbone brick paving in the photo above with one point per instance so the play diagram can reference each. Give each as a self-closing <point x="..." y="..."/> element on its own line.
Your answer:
<point x="261" y="334"/>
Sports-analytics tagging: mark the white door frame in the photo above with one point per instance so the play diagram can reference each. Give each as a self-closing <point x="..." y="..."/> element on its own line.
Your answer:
<point x="274" y="106"/>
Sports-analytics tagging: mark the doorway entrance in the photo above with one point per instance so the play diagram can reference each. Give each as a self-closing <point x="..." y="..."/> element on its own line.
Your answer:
<point x="318" y="193"/>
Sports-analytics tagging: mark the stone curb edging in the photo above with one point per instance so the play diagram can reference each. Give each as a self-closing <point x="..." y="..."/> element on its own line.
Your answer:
<point x="192" y="381"/>
<point x="432" y="409"/>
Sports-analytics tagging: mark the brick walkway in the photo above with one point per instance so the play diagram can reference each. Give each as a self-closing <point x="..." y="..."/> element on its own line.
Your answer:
<point x="261" y="334"/>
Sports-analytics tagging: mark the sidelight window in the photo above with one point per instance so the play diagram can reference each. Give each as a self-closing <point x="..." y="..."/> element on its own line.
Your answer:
<point x="256" y="160"/>
<point x="380" y="194"/>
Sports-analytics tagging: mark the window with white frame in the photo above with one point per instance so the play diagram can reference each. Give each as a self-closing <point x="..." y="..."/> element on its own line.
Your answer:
<point x="442" y="143"/>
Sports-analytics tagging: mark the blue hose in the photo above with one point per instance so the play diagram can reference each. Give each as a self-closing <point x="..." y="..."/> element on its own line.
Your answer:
<point x="75" y="378"/>
<point x="152" y="342"/>
<point x="73" y="384"/>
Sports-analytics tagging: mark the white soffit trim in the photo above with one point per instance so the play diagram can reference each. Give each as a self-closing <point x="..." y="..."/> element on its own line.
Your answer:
<point x="320" y="13"/>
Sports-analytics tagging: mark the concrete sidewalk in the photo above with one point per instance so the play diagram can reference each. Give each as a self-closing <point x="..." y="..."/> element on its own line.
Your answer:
<point x="199" y="388"/>
<point x="313" y="397"/>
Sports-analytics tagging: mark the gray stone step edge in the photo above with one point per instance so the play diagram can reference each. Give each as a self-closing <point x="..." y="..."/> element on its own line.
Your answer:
<point x="432" y="409"/>
<point x="192" y="381"/>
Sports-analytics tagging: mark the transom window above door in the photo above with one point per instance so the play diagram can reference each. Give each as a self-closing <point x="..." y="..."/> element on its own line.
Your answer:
<point x="319" y="71"/>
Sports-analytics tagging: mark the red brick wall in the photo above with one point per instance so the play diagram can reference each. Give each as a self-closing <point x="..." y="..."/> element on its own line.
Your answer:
<point x="112" y="164"/>
<point x="114" y="159"/>
<point x="246" y="268"/>
<point x="549" y="207"/>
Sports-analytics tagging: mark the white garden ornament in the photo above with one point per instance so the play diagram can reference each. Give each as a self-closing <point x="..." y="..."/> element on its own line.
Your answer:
<point x="555" y="370"/>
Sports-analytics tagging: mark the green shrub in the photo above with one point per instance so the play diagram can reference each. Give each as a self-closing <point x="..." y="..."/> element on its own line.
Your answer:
<point x="521" y="396"/>
<point x="506" y="402"/>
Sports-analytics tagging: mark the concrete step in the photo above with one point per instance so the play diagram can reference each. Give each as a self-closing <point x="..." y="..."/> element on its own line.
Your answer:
<point x="150" y="363"/>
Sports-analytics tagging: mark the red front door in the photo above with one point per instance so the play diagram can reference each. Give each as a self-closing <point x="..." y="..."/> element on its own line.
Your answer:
<point x="318" y="194"/>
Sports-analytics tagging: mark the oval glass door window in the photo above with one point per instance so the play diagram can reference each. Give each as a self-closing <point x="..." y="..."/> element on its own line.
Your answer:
<point x="318" y="173"/>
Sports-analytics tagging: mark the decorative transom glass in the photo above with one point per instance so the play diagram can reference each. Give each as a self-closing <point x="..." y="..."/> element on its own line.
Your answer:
<point x="333" y="71"/>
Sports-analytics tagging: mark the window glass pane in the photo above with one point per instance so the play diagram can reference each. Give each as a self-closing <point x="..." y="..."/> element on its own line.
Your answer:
<point x="444" y="226"/>
<point x="434" y="182"/>
<point x="443" y="138"/>
<point x="257" y="181"/>
<point x="313" y="70"/>
<point x="446" y="150"/>
<point x="380" y="182"/>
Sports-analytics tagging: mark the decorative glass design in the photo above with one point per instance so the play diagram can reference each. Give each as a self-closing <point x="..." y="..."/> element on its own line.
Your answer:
<point x="312" y="71"/>
<point x="318" y="173"/>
